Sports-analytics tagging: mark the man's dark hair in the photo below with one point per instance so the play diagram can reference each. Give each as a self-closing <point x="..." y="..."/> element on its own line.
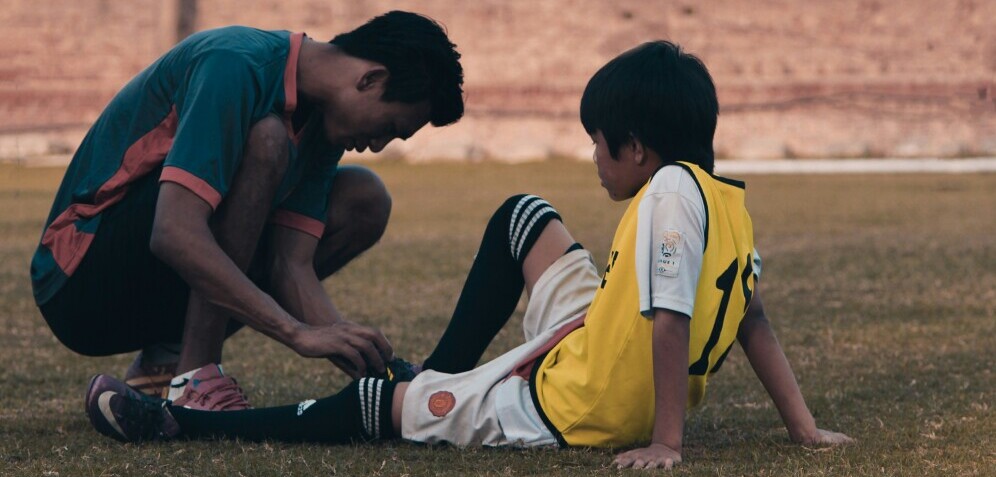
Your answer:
<point x="658" y="94"/>
<point x="423" y="63"/>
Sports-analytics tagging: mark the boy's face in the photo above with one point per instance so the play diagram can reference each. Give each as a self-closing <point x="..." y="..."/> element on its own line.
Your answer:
<point x="623" y="176"/>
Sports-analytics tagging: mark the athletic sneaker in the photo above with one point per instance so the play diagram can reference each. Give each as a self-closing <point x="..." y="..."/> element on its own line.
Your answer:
<point x="208" y="389"/>
<point x="399" y="371"/>
<point x="122" y="413"/>
<point x="149" y="379"/>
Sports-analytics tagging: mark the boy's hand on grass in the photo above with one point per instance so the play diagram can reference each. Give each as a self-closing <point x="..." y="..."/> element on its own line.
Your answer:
<point x="654" y="456"/>
<point x="825" y="438"/>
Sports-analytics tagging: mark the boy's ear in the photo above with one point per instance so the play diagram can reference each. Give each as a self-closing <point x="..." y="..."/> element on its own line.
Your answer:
<point x="639" y="152"/>
<point x="373" y="78"/>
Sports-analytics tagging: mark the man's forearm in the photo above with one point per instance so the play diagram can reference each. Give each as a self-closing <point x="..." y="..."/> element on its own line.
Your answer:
<point x="297" y="288"/>
<point x="194" y="254"/>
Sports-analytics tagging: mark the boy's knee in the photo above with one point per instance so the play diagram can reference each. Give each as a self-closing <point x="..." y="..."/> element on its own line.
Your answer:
<point x="519" y="210"/>
<point x="503" y="214"/>
<point x="267" y="144"/>
<point x="519" y="220"/>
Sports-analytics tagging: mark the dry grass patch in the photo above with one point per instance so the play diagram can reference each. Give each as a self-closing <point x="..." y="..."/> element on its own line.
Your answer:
<point x="881" y="289"/>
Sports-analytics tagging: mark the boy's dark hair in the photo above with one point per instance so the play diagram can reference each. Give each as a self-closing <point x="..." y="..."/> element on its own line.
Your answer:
<point x="423" y="63"/>
<point x="658" y="94"/>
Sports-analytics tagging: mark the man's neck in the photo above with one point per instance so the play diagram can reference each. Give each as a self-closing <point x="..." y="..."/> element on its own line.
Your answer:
<point x="315" y="65"/>
<point x="302" y="113"/>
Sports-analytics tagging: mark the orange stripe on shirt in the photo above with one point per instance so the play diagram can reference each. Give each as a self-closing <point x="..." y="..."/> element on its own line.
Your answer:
<point x="195" y="184"/>
<point x="69" y="245"/>
<point x="300" y="222"/>
<point x="290" y="84"/>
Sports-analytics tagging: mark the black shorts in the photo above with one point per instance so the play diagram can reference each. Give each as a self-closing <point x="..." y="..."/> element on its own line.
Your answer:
<point x="121" y="298"/>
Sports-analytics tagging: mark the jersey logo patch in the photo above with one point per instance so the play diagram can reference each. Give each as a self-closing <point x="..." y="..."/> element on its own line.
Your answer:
<point x="441" y="403"/>
<point x="669" y="254"/>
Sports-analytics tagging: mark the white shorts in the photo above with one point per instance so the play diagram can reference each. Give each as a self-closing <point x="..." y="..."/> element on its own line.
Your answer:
<point x="484" y="406"/>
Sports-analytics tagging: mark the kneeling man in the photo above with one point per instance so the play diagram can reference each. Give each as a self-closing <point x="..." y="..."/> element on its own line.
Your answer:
<point x="210" y="189"/>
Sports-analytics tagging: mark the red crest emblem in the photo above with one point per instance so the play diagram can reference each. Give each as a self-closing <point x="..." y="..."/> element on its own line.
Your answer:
<point x="441" y="403"/>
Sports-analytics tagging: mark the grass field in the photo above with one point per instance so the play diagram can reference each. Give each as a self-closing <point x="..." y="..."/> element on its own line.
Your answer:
<point x="882" y="289"/>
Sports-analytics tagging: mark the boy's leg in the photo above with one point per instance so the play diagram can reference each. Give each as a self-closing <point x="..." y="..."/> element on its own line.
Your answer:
<point x="524" y="236"/>
<point x="362" y="411"/>
<point x="552" y="243"/>
<point x="491" y="404"/>
<point x="542" y="247"/>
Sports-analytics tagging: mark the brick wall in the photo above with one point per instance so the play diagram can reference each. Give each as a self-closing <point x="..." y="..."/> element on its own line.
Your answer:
<point x="795" y="79"/>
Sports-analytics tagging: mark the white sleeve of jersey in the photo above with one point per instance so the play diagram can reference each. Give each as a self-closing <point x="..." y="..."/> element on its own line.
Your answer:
<point x="670" y="234"/>
<point x="757" y="265"/>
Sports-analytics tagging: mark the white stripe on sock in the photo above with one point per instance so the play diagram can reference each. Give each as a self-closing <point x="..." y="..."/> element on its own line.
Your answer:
<point x="525" y="233"/>
<point x="377" y="406"/>
<point x="370" y="406"/>
<point x="522" y="220"/>
<point x="363" y="402"/>
<point x="523" y="217"/>
<point x="515" y="213"/>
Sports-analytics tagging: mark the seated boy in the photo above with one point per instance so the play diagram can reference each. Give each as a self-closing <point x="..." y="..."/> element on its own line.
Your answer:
<point x="609" y="361"/>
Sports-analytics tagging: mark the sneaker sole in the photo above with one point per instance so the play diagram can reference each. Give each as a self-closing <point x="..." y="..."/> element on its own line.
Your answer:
<point x="151" y="385"/>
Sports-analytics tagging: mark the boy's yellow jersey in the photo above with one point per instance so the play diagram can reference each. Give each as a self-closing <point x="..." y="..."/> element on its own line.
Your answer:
<point x="596" y="386"/>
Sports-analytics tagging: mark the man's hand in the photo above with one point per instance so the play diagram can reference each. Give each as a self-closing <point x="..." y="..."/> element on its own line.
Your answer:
<point x="654" y="456"/>
<point x="824" y="438"/>
<point x="353" y="348"/>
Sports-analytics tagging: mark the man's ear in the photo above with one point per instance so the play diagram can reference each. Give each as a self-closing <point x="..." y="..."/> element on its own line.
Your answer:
<point x="373" y="78"/>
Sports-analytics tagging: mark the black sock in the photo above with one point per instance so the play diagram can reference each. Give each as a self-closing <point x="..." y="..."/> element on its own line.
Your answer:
<point x="360" y="412"/>
<point x="494" y="284"/>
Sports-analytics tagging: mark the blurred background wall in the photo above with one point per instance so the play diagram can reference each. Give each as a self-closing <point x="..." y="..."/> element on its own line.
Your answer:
<point x="796" y="79"/>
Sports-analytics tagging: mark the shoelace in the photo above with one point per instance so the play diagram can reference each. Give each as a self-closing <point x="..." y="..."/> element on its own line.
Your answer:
<point x="405" y="371"/>
<point x="146" y="416"/>
<point x="399" y="370"/>
<point x="233" y="399"/>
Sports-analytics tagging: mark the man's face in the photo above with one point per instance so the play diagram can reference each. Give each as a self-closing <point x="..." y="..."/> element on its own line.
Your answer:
<point x="621" y="177"/>
<point x="363" y="121"/>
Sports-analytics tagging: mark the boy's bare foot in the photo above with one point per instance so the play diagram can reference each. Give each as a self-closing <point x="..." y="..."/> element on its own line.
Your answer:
<point x="826" y="438"/>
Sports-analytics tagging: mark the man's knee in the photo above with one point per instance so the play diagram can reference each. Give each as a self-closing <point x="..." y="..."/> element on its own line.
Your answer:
<point x="359" y="208"/>
<point x="360" y="199"/>
<point x="267" y="146"/>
